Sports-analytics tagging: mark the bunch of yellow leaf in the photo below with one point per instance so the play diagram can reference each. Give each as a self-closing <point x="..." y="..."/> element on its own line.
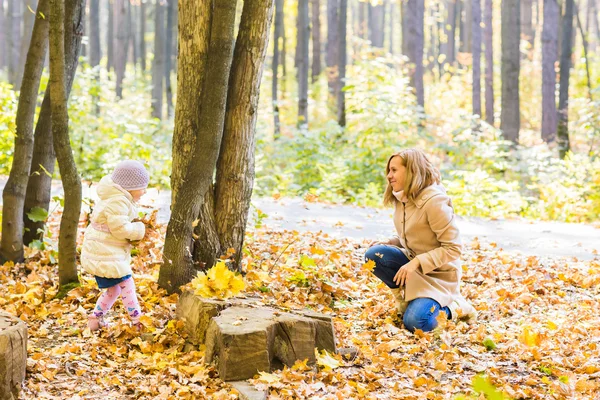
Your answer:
<point x="218" y="282"/>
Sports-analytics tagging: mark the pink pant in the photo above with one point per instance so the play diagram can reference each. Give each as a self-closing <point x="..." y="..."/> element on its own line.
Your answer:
<point x="127" y="291"/>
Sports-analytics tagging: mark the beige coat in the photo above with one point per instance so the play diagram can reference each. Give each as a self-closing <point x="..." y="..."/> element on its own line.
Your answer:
<point x="106" y="251"/>
<point x="427" y="230"/>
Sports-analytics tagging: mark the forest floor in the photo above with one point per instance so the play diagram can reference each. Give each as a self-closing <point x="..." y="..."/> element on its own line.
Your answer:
<point x="537" y="335"/>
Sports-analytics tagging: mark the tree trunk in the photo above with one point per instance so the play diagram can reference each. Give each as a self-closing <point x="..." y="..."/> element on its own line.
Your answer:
<point x="277" y="33"/>
<point x="527" y="23"/>
<point x="121" y="44"/>
<point x="3" y="37"/>
<point x="42" y="165"/>
<point x="143" y="36"/>
<point x="510" y="120"/>
<point x="488" y="35"/>
<point x="95" y="51"/>
<point x="376" y="24"/>
<point x="341" y="102"/>
<point x="235" y="166"/>
<point x="28" y="21"/>
<point x="404" y="27"/>
<point x="132" y="48"/>
<point x="468" y="31"/>
<point x="391" y="25"/>
<point x="476" y="48"/>
<point x="110" y="37"/>
<point x="584" y="41"/>
<point x="13" y="196"/>
<point x="158" y="66"/>
<point x="415" y="10"/>
<point x="333" y="7"/>
<point x="15" y="14"/>
<point x="363" y="22"/>
<point x="169" y="56"/>
<point x="67" y="260"/>
<point x="565" y="66"/>
<point x="450" y="31"/>
<point x="303" y="37"/>
<point x="549" y="58"/>
<point x="200" y="131"/>
<point x="283" y="54"/>
<point x="316" y="40"/>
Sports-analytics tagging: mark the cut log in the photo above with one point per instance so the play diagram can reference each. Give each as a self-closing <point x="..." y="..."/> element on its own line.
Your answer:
<point x="13" y="355"/>
<point x="243" y="337"/>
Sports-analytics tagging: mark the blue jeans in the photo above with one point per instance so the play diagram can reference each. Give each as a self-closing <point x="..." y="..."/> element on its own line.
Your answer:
<point x="421" y="312"/>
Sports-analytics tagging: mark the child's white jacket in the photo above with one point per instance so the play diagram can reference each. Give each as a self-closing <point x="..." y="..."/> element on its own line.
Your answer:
<point x="106" y="251"/>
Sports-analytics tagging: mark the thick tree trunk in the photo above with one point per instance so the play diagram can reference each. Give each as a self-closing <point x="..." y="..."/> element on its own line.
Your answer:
<point x="42" y="165"/>
<point x="333" y="7"/>
<point x="303" y="37"/>
<point x="67" y="260"/>
<point x="476" y="48"/>
<point x="95" y="51"/>
<point x="565" y="66"/>
<point x="235" y="166"/>
<point x="169" y="56"/>
<point x="14" y="16"/>
<point x="415" y="10"/>
<point x="143" y="36"/>
<point x="13" y="196"/>
<point x="199" y="33"/>
<point x="527" y="31"/>
<point x="28" y="21"/>
<point x="549" y="58"/>
<point x="341" y="102"/>
<point x="277" y="36"/>
<point x="488" y="35"/>
<point x="158" y="66"/>
<point x="316" y="39"/>
<point x="376" y="24"/>
<point x="110" y="37"/>
<point x="121" y="44"/>
<point x="510" y="120"/>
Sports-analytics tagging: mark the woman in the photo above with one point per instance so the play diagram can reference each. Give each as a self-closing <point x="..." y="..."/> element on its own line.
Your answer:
<point x="423" y="259"/>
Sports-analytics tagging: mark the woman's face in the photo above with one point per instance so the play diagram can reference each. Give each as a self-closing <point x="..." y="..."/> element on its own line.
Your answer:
<point x="397" y="175"/>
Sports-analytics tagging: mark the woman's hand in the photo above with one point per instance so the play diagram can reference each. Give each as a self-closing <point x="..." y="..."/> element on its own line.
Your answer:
<point x="389" y="242"/>
<point x="404" y="272"/>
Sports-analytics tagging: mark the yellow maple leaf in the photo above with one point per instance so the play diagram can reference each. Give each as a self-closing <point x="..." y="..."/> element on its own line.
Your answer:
<point x="529" y="337"/>
<point x="326" y="360"/>
<point x="268" y="377"/>
<point x="218" y="282"/>
<point x="368" y="266"/>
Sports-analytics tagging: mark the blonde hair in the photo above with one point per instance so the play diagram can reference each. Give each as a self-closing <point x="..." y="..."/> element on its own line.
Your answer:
<point x="420" y="173"/>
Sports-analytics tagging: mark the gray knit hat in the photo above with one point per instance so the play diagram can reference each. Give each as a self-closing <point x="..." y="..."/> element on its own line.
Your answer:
<point x="131" y="175"/>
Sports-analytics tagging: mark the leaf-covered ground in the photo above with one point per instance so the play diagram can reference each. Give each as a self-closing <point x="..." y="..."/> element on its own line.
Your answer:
<point x="538" y="333"/>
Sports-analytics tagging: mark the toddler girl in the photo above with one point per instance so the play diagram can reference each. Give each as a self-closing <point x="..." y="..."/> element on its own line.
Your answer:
<point x="106" y="251"/>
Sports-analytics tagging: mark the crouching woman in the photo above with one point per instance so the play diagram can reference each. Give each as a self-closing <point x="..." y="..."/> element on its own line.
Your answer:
<point x="421" y="263"/>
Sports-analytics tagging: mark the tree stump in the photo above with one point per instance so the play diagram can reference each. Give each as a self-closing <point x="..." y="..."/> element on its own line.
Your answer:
<point x="243" y="338"/>
<point x="13" y="355"/>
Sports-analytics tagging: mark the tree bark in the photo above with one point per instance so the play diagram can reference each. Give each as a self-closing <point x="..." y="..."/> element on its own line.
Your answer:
<point x="341" y="102"/>
<point x="169" y="56"/>
<point x="235" y="166"/>
<point x="13" y="196"/>
<point x="316" y="40"/>
<point x="510" y="120"/>
<point x="121" y="44"/>
<point x="549" y="58"/>
<point x="415" y="10"/>
<point x="488" y="35"/>
<point x="28" y="21"/>
<point x="143" y="36"/>
<point x="303" y="37"/>
<point x="206" y="38"/>
<point x="476" y="48"/>
<point x="468" y="31"/>
<point x="95" y="51"/>
<point x="67" y="260"/>
<point x="333" y="7"/>
<point x="158" y="66"/>
<point x="15" y="14"/>
<point x="376" y="24"/>
<point x="565" y="66"/>
<point x="527" y="30"/>
<point x="42" y="164"/>
<point x="277" y="36"/>
<point x="110" y="37"/>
